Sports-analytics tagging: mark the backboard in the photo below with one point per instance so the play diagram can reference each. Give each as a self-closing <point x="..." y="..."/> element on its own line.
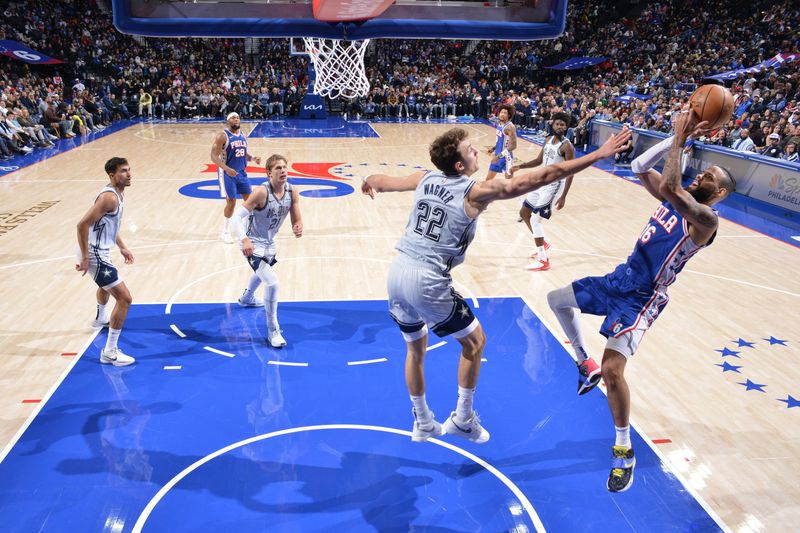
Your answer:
<point x="403" y="19"/>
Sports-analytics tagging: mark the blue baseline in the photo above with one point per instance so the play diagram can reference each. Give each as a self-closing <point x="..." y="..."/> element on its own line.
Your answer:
<point x="331" y="127"/>
<point x="109" y="439"/>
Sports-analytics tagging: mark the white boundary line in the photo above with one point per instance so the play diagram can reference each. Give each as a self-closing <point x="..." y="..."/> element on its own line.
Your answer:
<point x="226" y="354"/>
<point x="437" y="345"/>
<point x="46" y="398"/>
<point x="468" y="293"/>
<point x="707" y="508"/>
<point x="367" y="361"/>
<point x="178" y="332"/>
<point x="172" y="299"/>
<point x="526" y="504"/>
<point x="173" y="367"/>
<point x="63" y="257"/>
<point x="285" y="363"/>
<point x="480" y="241"/>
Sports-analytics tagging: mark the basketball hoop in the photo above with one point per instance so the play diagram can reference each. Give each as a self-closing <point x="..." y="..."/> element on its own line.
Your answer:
<point x="339" y="65"/>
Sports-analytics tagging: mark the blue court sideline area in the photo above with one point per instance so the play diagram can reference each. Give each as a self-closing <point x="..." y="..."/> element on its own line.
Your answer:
<point x="213" y="432"/>
<point x="322" y="128"/>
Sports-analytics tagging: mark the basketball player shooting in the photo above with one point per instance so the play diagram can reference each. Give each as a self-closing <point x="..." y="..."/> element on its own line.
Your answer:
<point x="634" y="294"/>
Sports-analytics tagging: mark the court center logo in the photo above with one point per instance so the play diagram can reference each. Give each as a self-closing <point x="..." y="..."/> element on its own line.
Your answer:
<point x="318" y="176"/>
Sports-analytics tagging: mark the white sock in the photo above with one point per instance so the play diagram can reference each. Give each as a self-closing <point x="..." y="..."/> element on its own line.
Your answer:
<point x="421" y="410"/>
<point x="464" y="405"/>
<point x="225" y="225"/>
<point x="113" y="335"/>
<point x="651" y="156"/>
<point x="542" y="254"/>
<point x="623" y="436"/>
<point x="101" y="313"/>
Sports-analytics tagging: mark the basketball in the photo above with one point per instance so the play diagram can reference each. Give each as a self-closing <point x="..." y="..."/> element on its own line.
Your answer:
<point x="712" y="103"/>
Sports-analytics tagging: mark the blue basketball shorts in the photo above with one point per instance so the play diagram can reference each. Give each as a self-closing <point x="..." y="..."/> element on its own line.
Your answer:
<point x="503" y="165"/>
<point x="628" y="313"/>
<point x="232" y="187"/>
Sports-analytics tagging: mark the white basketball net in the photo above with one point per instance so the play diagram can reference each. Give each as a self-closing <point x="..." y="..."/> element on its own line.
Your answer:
<point x="340" y="67"/>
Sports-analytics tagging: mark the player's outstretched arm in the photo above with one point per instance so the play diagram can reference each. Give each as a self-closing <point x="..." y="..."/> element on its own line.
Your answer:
<point x="538" y="160"/>
<point x="484" y="193"/>
<point x="383" y="183"/>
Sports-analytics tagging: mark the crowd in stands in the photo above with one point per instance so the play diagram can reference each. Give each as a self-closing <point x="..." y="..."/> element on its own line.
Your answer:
<point x="660" y="51"/>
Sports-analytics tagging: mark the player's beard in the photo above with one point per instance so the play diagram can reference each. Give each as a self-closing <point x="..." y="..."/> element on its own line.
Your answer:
<point x="235" y="127"/>
<point x="699" y="194"/>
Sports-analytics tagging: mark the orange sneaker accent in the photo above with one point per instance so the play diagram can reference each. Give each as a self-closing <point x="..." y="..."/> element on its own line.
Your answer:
<point x="539" y="266"/>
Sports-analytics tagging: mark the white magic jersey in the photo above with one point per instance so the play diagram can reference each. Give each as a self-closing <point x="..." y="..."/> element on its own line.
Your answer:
<point x="263" y="224"/>
<point x="439" y="230"/>
<point x="103" y="233"/>
<point x="552" y="151"/>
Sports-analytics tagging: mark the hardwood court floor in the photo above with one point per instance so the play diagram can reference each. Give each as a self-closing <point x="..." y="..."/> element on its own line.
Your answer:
<point x="736" y="445"/>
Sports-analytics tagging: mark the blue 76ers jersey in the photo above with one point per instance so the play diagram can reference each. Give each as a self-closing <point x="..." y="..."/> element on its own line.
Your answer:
<point x="236" y="151"/>
<point x="500" y="144"/>
<point x="662" y="250"/>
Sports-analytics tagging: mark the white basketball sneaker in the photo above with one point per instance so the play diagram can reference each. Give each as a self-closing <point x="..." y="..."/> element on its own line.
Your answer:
<point x="97" y="323"/>
<point x="226" y="238"/>
<point x="276" y="340"/>
<point x="470" y="429"/>
<point x="115" y="357"/>
<point x="250" y="301"/>
<point x="426" y="430"/>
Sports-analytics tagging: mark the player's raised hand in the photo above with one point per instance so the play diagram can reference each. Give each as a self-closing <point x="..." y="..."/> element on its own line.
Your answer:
<point x="616" y="143"/>
<point x="257" y="159"/>
<point x="297" y="228"/>
<point x="688" y="124"/>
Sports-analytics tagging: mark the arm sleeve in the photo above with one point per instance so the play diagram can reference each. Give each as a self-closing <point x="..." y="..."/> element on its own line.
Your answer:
<point x="238" y="222"/>
<point x="653" y="155"/>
